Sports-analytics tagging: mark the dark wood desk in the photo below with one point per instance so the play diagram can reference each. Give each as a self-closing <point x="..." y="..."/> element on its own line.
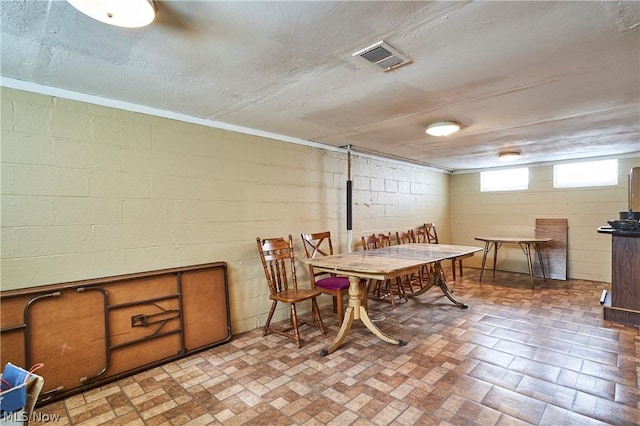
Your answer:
<point x="623" y="305"/>
<point x="382" y="264"/>
<point x="525" y="244"/>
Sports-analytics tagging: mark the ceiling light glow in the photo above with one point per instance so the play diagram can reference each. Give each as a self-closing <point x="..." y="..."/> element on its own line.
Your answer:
<point x="121" y="13"/>
<point x="442" y="128"/>
<point x="509" y="155"/>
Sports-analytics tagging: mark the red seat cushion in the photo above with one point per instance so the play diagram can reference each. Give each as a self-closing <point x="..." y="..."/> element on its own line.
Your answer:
<point x="333" y="283"/>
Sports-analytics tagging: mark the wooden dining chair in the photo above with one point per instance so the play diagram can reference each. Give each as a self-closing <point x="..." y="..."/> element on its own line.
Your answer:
<point x="404" y="237"/>
<point x="432" y="234"/>
<point x="415" y="278"/>
<point x="279" y="266"/>
<point x="432" y="237"/>
<point x="419" y="235"/>
<point x="370" y="242"/>
<point x="319" y="244"/>
<point x="385" y="240"/>
<point x="383" y="290"/>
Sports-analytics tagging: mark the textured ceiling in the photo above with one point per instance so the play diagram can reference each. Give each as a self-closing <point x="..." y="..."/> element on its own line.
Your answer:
<point x="556" y="80"/>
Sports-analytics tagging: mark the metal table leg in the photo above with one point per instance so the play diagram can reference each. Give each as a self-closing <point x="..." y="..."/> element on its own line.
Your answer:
<point x="537" y="249"/>
<point x="484" y="258"/>
<point x="526" y="248"/>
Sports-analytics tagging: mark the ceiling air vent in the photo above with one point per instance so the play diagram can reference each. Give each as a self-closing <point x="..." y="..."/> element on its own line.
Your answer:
<point x="384" y="56"/>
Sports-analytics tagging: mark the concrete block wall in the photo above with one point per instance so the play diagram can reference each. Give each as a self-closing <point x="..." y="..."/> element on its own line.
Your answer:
<point x="91" y="191"/>
<point x="514" y="213"/>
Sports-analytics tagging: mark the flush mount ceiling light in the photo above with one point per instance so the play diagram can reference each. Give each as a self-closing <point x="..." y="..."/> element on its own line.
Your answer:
<point x="122" y="13"/>
<point x="442" y="128"/>
<point x="509" y="155"/>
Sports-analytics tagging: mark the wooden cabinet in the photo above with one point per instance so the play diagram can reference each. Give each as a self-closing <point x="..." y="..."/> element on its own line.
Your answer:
<point x="89" y="332"/>
<point x="624" y="304"/>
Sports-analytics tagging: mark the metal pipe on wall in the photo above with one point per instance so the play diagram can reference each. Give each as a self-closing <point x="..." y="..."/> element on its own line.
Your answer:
<point x="349" y="201"/>
<point x="634" y="189"/>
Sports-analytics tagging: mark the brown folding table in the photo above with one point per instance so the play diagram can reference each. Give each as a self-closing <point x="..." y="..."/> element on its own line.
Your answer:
<point x="525" y="244"/>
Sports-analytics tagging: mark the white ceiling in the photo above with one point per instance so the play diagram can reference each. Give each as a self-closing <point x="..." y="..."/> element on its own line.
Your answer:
<point x="555" y="80"/>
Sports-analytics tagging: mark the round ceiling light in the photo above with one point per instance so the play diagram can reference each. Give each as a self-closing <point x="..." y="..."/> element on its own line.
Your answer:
<point x="442" y="128"/>
<point x="122" y="13"/>
<point x="509" y="155"/>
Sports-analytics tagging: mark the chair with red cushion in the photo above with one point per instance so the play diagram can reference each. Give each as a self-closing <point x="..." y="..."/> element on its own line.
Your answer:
<point x="319" y="244"/>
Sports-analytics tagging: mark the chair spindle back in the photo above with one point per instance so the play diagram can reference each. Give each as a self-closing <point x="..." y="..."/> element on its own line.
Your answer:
<point x="404" y="237"/>
<point x="419" y="235"/>
<point x="432" y="235"/>
<point x="276" y="254"/>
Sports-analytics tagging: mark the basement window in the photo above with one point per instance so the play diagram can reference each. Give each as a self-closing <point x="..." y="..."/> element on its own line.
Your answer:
<point x="505" y="180"/>
<point x="586" y="173"/>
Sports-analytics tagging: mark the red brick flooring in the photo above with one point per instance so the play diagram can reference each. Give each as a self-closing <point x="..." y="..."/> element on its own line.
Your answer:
<point x="516" y="356"/>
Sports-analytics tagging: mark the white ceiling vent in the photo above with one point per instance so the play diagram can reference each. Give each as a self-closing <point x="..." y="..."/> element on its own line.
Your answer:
<point x="384" y="56"/>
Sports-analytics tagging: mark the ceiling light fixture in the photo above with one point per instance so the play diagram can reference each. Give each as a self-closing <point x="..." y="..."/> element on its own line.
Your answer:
<point x="442" y="128"/>
<point x="121" y="13"/>
<point x="509" y="155"/>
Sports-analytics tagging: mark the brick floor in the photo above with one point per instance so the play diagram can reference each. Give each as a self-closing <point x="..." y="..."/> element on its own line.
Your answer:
<point x="516" y="356"/>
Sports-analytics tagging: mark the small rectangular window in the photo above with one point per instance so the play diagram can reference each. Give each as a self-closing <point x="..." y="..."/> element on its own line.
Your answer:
<point x="586" y="173"/>
<point x="504" y="180"/>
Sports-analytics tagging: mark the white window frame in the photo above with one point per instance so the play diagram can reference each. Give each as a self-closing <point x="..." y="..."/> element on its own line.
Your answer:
<point x="516" y="179"/>
<point x="585" y="174"/>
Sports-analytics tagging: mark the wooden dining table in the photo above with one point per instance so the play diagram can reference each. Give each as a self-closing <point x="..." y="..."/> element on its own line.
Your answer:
<point x="382" y="264"/>
<point x="525" y="243"/>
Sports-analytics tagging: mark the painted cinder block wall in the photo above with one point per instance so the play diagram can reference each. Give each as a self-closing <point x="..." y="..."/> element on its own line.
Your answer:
<point x="514" y="213"/>
<point x="90" y="191"/>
